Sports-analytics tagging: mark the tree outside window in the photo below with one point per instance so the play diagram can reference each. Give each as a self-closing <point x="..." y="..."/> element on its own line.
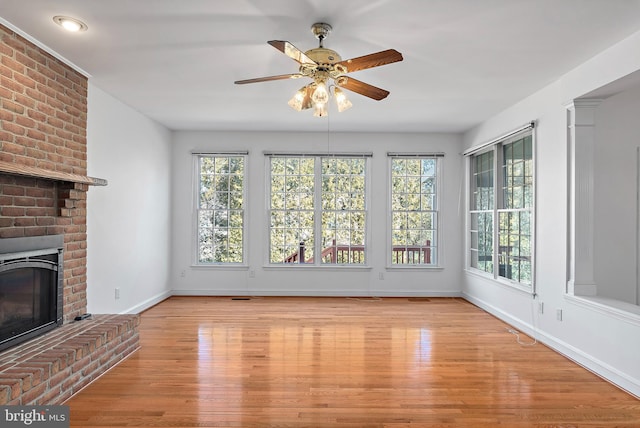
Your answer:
<point x="501" y="210"/>
<point x="414" y="210"/>
<point x="317" y="196"/>
<point x="482" y="206"/>
<point x="220" y="211"/>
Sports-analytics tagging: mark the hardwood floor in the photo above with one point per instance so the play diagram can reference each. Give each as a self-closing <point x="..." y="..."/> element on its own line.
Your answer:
<point x="338" y="362"/>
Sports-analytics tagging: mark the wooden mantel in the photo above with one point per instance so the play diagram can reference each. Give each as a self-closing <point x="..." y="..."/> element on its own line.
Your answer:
<point x="35" y="172"/>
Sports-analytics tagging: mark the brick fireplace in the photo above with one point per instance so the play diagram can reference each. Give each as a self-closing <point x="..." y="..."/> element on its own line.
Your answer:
<point x="44" y="113"/>
<point x="43" y="191"/>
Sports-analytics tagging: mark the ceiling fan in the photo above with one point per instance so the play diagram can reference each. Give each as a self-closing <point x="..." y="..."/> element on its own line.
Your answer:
<point x="324" y="66"/>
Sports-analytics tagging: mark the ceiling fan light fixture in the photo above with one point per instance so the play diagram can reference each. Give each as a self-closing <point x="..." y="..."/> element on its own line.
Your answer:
<point x="320" y="110"/>
<point x="342" y="101"/>
<point x="70" y="24"/>
<point x="320" y="94"/>
<point x="301" y="100"/>
<point x="296" y="101"/>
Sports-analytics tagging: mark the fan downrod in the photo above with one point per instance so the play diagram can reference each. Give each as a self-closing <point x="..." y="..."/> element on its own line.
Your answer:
<point x="321" y="30"/>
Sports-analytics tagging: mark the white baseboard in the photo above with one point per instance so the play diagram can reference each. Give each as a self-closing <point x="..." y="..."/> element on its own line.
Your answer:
<point x="604" y="370"/>
<point x="149" y="303"/>
<point x="198" y="292"/>
<point x="315" y="293"/>
<point x="416" y="294"/>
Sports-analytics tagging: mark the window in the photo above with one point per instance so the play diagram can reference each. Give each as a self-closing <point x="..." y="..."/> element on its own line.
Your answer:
<point x="501" y="209"/>
<point x="515" y="212"/>
<point x="220" y="210"/>
<point x="414" y="210"/>
<point x="482" y="212"/>
<point x="317" y="196"/>
<point x="292" y="210"/>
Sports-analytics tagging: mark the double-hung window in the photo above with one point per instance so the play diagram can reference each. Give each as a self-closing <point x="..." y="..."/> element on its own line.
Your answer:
<point x="414" y="209"/>
<point x="501" y="201"/>
<point x="220" y="208"/>
<point x="482" y="206"/>
<point x="317" y="209"/>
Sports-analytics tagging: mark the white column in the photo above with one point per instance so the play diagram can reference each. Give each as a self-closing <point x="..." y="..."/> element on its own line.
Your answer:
<point x="581" y="139"/>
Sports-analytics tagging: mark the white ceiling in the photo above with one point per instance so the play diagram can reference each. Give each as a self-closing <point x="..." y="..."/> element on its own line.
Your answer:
<point x="464" y="60"/>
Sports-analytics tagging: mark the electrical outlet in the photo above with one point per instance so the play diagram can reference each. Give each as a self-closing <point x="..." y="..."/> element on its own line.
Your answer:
<point x="559" y="314"/>
<point x="183" y="273"/>
<point x="541" y="307"/>
<point x="117" y="293"/>
<point x="381" y="276"/>
<point x="252" y="273"/>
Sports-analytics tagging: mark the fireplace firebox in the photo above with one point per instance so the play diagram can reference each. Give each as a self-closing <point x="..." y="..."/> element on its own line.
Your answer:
<point x="31" y="287"/>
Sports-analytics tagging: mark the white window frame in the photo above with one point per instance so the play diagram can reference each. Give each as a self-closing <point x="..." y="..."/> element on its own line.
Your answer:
<point x="496" y="146"/>
<point x="196" y="209"/>
<point x="318" y="210"/>
<point x="436" y="246"/>
<point x="484" y="211"/>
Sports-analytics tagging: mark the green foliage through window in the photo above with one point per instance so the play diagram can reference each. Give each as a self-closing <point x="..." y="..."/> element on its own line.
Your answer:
<point x="504" y="214"/>
<point x="292" y="209"/>
<point x="308" y="190"/>
<point x="221" y="209"/>
<point x="514" y="233"/>
<point x="414" y="210"/>
<point x="482" y="202"/>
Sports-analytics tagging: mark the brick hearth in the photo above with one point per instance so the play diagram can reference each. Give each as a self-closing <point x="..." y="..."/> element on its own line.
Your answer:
<point x="56" y="365"/>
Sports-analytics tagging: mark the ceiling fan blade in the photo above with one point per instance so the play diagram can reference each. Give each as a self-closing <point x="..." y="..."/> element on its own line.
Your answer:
<point x="269" y="78"/>
<point x="363" y="88"/>
<point x="372" y="60"/>
<point x="291" y="51"/>
<point x="307" y="102"/>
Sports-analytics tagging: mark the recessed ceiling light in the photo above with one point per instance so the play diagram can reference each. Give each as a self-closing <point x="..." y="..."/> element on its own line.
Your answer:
<point x="70" y="24"/>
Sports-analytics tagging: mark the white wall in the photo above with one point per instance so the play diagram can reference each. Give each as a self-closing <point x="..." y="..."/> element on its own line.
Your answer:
<point x="128" y="221"/>
<point x="187" y="279"/>
<point x="599" y="337"/>
<point x="616" y="186"/>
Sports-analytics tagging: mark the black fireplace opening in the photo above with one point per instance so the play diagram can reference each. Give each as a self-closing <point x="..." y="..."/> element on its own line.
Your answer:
<point x="31" y="291"/>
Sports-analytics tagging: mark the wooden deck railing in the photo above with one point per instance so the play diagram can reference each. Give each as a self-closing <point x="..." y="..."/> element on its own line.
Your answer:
<point x="341" y="253"/>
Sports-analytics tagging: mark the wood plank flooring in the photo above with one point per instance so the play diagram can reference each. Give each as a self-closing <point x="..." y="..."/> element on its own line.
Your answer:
<point x="339" y="362"/>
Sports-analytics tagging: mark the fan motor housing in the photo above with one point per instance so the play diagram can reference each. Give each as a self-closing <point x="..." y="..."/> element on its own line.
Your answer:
<point x="323" y="55"/>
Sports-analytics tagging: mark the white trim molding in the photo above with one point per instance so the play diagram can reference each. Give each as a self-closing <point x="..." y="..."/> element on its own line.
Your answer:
<point x="42" y="46"/>
<point x="581" y="145"/>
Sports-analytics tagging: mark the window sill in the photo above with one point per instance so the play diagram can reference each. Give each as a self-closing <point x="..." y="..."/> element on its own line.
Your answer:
<point x="501" y="282"/>
<point x="413" y="267"/>
<point x="304" y="266"/>
<point x="616" y="308"/>
<point x="221" y="266"/>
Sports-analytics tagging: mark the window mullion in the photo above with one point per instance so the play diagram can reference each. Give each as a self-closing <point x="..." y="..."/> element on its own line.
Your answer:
<point x="317" y="211"/>
<point x="497" y="202"/>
